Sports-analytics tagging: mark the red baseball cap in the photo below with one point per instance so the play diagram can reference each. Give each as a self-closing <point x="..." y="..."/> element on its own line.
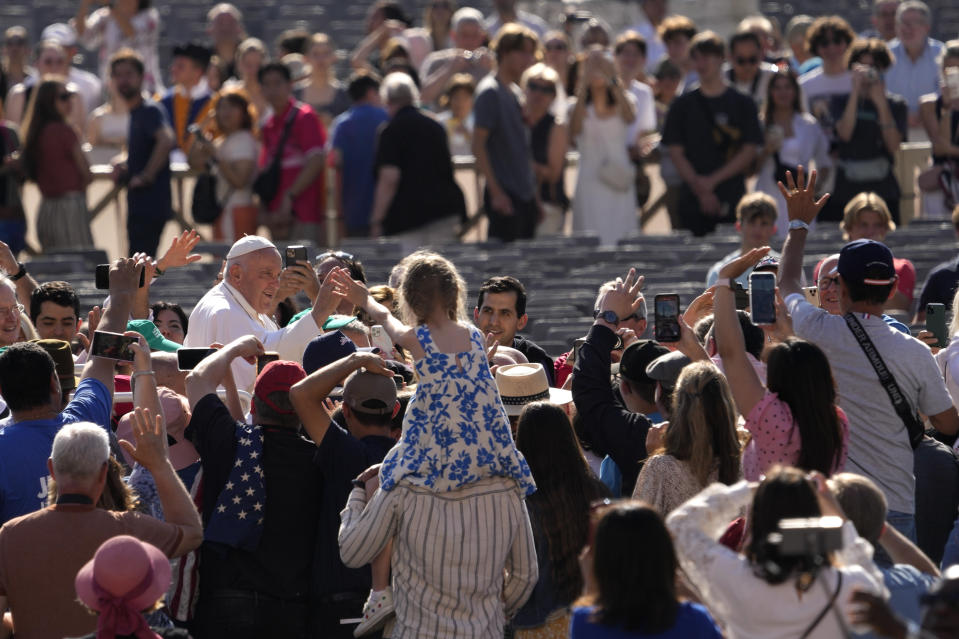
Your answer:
<point x="277" y="377"/>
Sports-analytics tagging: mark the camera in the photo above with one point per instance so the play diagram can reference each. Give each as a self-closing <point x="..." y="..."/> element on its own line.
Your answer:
<point x="807" y="537"/>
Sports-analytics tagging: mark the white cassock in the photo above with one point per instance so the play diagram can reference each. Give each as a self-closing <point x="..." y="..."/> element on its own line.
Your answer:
<point x="223" y="315"/>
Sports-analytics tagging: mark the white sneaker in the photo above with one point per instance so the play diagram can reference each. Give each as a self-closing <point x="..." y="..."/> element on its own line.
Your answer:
<point x="375" y="612"/>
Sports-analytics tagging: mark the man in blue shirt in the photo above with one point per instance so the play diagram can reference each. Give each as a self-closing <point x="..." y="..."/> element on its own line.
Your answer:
<point x="31" y="388"/>
<point x="354" y="152"/>
<point x="916" y="70"/>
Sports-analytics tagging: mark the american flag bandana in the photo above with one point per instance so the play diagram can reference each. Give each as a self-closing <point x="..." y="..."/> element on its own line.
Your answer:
<point x="237" y="519"/>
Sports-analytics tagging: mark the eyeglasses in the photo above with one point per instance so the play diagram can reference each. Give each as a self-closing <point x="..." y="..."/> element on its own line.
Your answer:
<point x="556" y="46"/>
<point x="744" y="60"/>
<point x="340" y="255"/>
<point x="11" y="310"/>
<point x="541" y="88"/>
<point x="826" y="282"/>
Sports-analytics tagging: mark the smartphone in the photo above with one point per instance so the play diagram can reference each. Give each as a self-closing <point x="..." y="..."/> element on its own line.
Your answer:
<point x="936" y="323"/>
<point x="112" y="346"/>
<point x="667" y="317"/>
<point x="812" y="295"/>
<point x="742" y="297"/>
<point x="574" y="354"/>
<point x="295" y="253"/>
<point x="188" y="358"/>
<point x="264" y="359"/>
<point x="381" y="340"/>
<point x="102" y="277"/>
<point x="762" y="297"/>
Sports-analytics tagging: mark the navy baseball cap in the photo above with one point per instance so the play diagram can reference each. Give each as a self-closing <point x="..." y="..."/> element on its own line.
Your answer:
<point x="325" y="349"/>
<point x="866" y="262"/>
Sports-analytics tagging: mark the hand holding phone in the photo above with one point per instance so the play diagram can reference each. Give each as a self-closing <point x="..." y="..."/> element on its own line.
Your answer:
<point x="936" y="323"/>
<point x="264" y="359"/>
<point x="293" y="254"/>
<point x="112" y="346"/>
<point x="762" y="297"/>
<point x="188" y="358"/>
<point x="381" y="340"/>
<point x="102" y="277"/>
<point x="666" y="309"/>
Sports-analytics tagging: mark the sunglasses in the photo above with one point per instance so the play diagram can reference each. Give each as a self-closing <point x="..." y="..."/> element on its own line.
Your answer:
<point x="541" y="88"/>
<point x="340" y="255"/>
<point x="743" y="60"/>
<point x="556" y="46"/>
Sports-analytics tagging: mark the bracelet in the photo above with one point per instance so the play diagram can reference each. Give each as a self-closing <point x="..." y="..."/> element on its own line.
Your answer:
<point x="138" y="373"/>
<point x="19" y="274"/>
<point x="358" y="483"/>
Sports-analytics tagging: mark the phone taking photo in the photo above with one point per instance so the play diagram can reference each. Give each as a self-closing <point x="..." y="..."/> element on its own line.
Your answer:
<point x="936" y="323"/>
<point x="188" y="358"/>
<point x="762" y="297"/>
<point x="293" y="254"/>
<point x="112" y="346"/>
<point x="381" y="340"/>
<point x="666" y="311"/>
<point x="264" y="359"/>
<point x="102" y="277"/>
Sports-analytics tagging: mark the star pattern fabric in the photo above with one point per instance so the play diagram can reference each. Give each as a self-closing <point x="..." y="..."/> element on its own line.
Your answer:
<point x="238" y="517"/>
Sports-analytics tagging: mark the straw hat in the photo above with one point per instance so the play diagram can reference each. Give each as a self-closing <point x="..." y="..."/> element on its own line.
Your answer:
<point x="522" y="384"/>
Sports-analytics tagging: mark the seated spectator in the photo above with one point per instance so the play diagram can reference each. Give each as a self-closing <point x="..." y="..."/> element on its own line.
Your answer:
<point x="298" y="208"/>
<point x="870" y="125"/>
<point x="712" y="133"/>
<point x="417" y="199"/>
<point x="549" y="140"/>
<point x="501" y="311"/>
<point x="676" y="33"/>
<point x="700" y="445"/>
<point x="353" y="151"/>
<point x="800" y="59"/>
<point x="793" y="419"/>
<point x="610" y="569"/>
<point x="748" y="71"/>
<point x="915" y="68"/>
<point x="188" y="101"/>
<point x="457" y="113"/>
<point x="906" y="572"/>
<point x="765" y="592"/>
<point x="261" y="500"/>
<point x="559" y="512"/>
<point x="468" y="55"/>
<point x="224" y="26"/>
<point x="124" y="581"/>
<point x="13" y="220"/>
<point x="321" y="90"/>
<point x="52" y="158"/>
<point x="505" y="11"/>
<point x="32" y="391"/>
<point x="939" y="113"/>
<point x="40" y="590"/>
<point x="867" y="279"/>
<point x="127" y="24"/>
<point x="610" y="427"/>
<point x="55" y="311"/>
<point x="756" y="222"/>
<point x="343" y="452"/>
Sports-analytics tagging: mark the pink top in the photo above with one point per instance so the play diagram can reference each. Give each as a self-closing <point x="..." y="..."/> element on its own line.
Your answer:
<point x="776" y="439"/>
<point x="307" y="138"/>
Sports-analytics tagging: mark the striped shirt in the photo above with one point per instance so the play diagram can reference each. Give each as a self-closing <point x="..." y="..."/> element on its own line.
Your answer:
<point x="463" y="561"/>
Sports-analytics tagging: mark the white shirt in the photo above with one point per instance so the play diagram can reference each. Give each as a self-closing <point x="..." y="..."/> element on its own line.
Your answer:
<point x="645" y="111"/>
<point x="89" y="87"/>
<point x="223" y="315"/>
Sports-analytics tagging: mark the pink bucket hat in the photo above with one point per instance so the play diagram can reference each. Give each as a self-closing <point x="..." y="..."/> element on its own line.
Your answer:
<point x="125" y="577"/>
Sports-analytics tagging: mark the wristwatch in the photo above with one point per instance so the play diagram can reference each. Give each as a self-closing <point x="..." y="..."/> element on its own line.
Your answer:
<point x="724" y="281"/>
<point x="607" y="316"/>
<point x="795" y="225"/>
<point x="19" y="274"/>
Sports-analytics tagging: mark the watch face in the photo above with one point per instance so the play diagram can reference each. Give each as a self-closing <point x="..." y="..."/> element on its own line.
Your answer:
<point x="610" y="316"/>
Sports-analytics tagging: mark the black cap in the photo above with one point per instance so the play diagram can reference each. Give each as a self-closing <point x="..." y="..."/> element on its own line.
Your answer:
<point x="637" y="356"/>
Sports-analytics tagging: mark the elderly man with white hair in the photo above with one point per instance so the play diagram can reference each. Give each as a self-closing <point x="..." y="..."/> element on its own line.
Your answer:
<point x="915" y="71"/>
<point x="416" y="199"/>
<point x="468" y="55"/>
<point x="38" y="585"/>
<point x="243" y="303"/>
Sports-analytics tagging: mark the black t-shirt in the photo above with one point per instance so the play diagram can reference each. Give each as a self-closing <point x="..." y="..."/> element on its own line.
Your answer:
<point x="866" y="142"/>
<point x="937" y="495"/>
<point x="712" y="130"/>
<point x="339" y="458"/>
<point x="940" y="286"/>
<point x="536" y="355"/>
<point x="280" y="566"/>
<point x="416" y="144"/>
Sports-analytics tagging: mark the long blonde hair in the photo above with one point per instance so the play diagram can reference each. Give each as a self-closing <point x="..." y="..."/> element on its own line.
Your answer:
<point x="702" y="431"/>
<point x="431" y="280"/>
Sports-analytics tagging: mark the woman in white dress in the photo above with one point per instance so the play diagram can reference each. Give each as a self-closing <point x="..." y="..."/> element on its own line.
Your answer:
<point x="107" y="129"/>
<point x="793" y="138"/>
<point x="605" y="200"/>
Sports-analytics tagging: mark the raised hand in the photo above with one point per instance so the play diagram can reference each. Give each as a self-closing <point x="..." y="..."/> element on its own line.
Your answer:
<point x="149" y="434"/>
<point x="179" y="253"/>
<point x="743" y="263"/>
<point x="801" y="202"/>
<point x="341" y="283"/>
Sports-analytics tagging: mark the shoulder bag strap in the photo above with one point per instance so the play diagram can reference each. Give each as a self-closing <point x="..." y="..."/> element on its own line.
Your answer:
<point x="905" y="412"/>
<point x="829" y="604"/>
<point x="286" y="133"/>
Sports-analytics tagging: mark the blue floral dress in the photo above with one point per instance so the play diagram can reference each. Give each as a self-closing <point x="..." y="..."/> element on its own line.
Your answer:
<point x="455" y="431"/>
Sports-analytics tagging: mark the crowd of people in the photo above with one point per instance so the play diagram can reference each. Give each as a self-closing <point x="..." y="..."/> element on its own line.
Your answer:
<point x="386" y="462"/>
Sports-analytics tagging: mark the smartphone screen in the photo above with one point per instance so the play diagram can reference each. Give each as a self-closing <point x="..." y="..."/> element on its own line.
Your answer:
<point x="381" y="340"/>
<point x="294" y="254"/>
<point x="936" y="323"/>
<point x="667" y="317"/>
<point x="264" y="359"/>
<point x="102" y="277"/>
<point x="762" y="297"/>
<point x="112" y="346"/>
<point x="188" y="358"/>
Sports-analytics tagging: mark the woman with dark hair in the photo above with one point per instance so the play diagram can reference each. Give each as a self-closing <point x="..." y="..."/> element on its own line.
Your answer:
<point x="321" y="90"/>
<point x="51" y="143"/>
<point x="559" y="514"/>
<point x="794" y="419"/>
<point x="171" y="321"/>
<point x="630" y="593"/>
<point x="700" y="445"/>
<point x="793" y="138"/>
<point x="766" y="592"/>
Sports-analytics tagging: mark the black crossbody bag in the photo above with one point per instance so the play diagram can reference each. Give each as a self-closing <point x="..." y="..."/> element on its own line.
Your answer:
<point x="267" y="183"/>
<point x="913" y="424"/>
